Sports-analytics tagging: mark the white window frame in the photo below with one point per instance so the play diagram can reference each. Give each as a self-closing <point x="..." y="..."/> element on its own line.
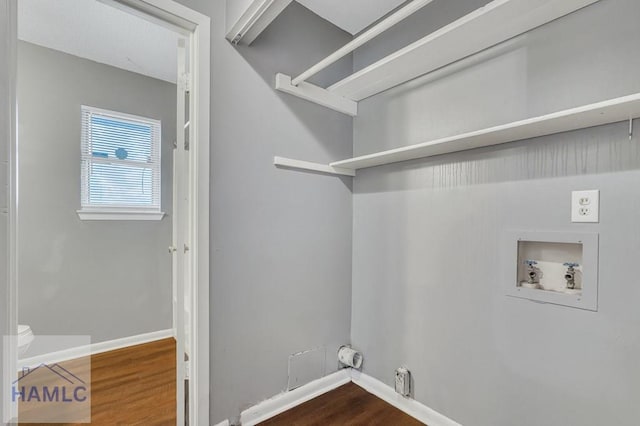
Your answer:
<point x="119" y="212"/>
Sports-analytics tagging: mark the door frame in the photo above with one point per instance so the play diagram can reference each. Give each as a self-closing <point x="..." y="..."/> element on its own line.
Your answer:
<point x="8" y="292"/>
<point x="199" y="27"/>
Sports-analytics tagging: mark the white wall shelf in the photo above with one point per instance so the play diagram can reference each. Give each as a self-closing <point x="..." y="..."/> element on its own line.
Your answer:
<point x="313" y="167"/>
<point x="606" y="112"/>
<point x="611" y="111"/>
<point x="488" y="26"/>
<point x="316" y="94"/>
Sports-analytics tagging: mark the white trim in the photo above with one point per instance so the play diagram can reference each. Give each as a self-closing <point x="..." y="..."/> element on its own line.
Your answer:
<point x="157" y="16"/>
<point x="316" y="94"/>
<point x="148" y="121"/>
<point x="199" y="26"/>
<point x="9" y="134"/>
<point x="315" y="167"/>
<point x="223" y="423"/>
<point x="181" y="232"/>
<point x="287" y="400"/>
<point x="96" y="348"/>
<point x="255" y="19"/>
<point x="168" y="11"/>
<point x="407" y="405"/>
<point x="121" y="215"/>
<point x="200" y="176"/>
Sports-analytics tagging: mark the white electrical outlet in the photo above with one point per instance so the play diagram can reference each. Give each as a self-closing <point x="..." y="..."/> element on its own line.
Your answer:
<point x="585" y="206"/>
<point x="403" y="381"/>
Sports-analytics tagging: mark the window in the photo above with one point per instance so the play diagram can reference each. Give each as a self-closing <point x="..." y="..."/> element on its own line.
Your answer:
<point x="120" y="166"/>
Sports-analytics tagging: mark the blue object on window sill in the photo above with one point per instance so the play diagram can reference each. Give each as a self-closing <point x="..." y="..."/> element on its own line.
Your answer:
<point x="100" y="154"/>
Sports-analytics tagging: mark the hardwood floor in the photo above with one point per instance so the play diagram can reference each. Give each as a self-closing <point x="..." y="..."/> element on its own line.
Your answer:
<point x="348" y="405"/>
<point x="136" y="386"/>
<point x="133" y="386"/>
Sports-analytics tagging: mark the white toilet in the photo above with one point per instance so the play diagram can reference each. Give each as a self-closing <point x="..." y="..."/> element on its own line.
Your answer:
<point x="25" y="337"/>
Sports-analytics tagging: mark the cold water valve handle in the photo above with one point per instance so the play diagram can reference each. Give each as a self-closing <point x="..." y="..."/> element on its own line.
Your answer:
<point x="532" y="271"/>
<point x="570" y="275"/>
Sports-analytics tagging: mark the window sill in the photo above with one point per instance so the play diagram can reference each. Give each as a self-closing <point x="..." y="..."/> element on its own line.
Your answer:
<point x="119" y="215"/>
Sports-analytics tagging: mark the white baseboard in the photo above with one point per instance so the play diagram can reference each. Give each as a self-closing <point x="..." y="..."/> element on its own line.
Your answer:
<point x="95" y="348"/>
<point x="287" y="400"/>
<point x="224" y="423"/>
<point x="410" y="406"/>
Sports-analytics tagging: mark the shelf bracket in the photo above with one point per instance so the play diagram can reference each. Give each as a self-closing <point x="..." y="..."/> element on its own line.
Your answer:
<point x="318" y="95"/>
<point x="315" y="167"/>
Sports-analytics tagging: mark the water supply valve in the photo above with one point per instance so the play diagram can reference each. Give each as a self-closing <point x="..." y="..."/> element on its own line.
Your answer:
<point x="532" y="271"/>
<point x="570" y="275"/>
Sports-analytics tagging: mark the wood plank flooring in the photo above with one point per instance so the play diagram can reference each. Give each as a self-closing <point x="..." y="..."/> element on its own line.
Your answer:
<point x="348" y="405"/>
<point x="134" y="385"/>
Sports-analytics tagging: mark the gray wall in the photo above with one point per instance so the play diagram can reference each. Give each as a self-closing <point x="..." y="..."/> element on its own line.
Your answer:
<point x="427" y="289"/>
<point x="7" y="72"/>
<point x="235" y="9"/>
<point x="281" y="240"/>
<point x="5" y="119"/>
<point x="107" y="279"/>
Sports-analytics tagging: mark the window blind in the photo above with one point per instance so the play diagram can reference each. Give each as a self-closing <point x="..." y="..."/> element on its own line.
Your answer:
<point x="120" y="161"/>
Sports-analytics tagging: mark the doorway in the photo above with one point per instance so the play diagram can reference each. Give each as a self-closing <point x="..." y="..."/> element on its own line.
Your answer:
<point x="93" y="280"/>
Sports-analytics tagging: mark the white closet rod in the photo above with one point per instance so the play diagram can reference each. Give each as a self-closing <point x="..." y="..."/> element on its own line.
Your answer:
<point x="363" y="38"/>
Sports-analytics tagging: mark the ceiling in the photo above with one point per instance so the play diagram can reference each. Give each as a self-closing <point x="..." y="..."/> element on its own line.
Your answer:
<point x="95" y="30"/>
<point x="102" y="33"/>
<point x="351" y="15"/>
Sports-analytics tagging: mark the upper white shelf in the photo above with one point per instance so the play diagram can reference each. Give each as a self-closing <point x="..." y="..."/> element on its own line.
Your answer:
<point x="488" y="26"/>
<point x="611" y="111"/>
